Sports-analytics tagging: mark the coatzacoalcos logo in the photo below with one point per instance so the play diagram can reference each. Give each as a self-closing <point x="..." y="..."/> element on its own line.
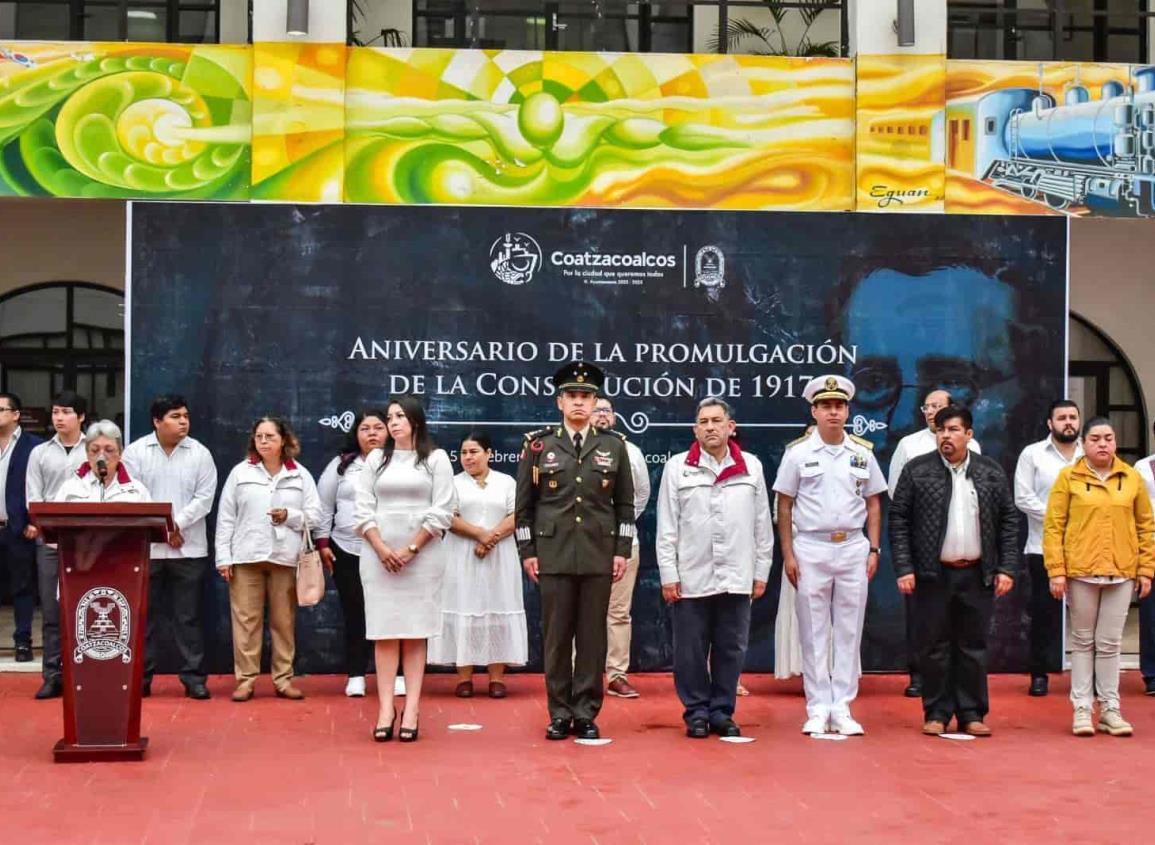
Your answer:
<point x="514" y="258"/>
<point x="710" y="268"/>
<point x="103" y="626"/>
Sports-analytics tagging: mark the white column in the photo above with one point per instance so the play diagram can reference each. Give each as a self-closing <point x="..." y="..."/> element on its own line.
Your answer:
<point x="872" y="28"/>
<point x="327" y="21"/>
<point x="234" y="22"/>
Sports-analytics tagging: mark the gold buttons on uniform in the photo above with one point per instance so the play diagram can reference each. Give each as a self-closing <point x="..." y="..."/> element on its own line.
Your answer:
<point x="578" y="479"/>
<point x="579" y="519"/>
<point x="579" y="498"/>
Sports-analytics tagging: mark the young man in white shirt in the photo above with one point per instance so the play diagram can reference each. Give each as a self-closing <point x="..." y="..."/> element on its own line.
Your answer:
<point x="49" y="465"/>
<point x="829" y="488"/>
<point x="177" y="469"/>
<point x="715" y="545"/>
<point x="1035" y="473"/>
<point x="619" y="625"/>
<point x="920" y="442"/>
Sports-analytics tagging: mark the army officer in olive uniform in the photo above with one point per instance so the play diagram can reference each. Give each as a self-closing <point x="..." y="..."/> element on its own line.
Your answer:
<point x="575" y="529"/>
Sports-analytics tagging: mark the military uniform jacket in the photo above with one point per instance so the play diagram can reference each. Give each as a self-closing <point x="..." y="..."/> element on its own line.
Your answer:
<point x="574" y="513"/>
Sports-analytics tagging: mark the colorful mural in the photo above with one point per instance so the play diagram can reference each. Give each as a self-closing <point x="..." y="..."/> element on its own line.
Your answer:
<point x="599" y="129"/>
<point x="900" y="133"/>
<point x="1050" y="138"/>
<point x="299" y="122"/>
<point x="125" y="120"/>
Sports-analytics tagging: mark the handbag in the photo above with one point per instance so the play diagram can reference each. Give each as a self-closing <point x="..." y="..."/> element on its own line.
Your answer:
<point x="310" y="574"/>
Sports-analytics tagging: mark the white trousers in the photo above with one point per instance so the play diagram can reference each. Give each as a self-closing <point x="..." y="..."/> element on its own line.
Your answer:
<point x="831" y="605"/>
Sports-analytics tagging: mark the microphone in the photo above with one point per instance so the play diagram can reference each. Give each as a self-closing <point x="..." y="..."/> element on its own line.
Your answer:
<point x="102" y="468"/>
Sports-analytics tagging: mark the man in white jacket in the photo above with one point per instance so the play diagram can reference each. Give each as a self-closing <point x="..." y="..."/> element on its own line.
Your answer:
<point x="715" y="545"/>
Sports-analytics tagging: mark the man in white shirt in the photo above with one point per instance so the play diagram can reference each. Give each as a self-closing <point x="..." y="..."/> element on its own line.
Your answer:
<point x="177" y="469"/>
<point x="618" y="624"/>
<point x="1038" y="467"/>
<point x="920" y="442"/>
<point x="49" y="466"/>
<point x="715" y="544"/>
<point x="1146" y="470"/>
<point x="829" y="486"/>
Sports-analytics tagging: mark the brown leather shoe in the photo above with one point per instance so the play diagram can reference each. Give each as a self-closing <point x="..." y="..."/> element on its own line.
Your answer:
<point x="976" y="729"/>
<point x="243" y="692"/>
<point x="290" y="692"/>
<point x="622" y="688"/>
<point x="464" y="689"/>
<point x="497" y="689"/>
<point x="933" y="727"/>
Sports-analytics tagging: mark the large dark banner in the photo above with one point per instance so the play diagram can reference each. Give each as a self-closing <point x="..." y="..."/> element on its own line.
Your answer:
<point x="311" y="312"/>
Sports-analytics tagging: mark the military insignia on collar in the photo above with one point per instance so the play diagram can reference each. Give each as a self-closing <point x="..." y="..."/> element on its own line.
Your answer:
<point x="858" y="461"/>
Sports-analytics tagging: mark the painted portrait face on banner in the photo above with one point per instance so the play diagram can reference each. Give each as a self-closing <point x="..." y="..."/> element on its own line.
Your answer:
<point x="950" y="328"/>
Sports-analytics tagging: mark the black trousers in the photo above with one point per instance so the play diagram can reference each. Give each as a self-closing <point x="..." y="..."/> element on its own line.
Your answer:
<point x="18" y="563"/>
<point x="48" y="582"/>
<point x="710" y="638"/>
<point x="911" y="638"/>
<point x="1147" y="636"/>
<point x="347" y="576"/>
<point x="952" y="619"/>
<point x="175" y="588"/>
<point x="573" y="621"/>
<point x="1046" y="620"/>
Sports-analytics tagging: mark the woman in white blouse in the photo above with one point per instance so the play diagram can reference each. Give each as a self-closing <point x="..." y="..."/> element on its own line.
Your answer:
<point x="405" y="503"/>
<point x="482" y="608"/>
<point x="104" y="478"/>
<point x="263" y="510"/>
<point x="337" y="489"/>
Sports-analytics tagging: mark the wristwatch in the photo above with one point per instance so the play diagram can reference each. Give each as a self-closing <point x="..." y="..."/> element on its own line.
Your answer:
<point x="413" y="548"/>
<point x="876" y="550"/>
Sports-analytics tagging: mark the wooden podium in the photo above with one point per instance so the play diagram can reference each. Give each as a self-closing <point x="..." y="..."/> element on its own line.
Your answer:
<point x="104" y="555"/>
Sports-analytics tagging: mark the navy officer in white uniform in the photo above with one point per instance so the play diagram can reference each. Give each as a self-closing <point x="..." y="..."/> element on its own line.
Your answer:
<point x="829" y="487"/>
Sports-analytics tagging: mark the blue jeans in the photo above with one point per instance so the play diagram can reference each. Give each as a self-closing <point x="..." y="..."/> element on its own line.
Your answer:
<point x="710" y="639"/>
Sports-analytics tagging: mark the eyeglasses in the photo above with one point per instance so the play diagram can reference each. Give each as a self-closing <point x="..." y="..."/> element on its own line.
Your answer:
<point x="603" y="411"/>
<point x="12" y="410"/>
<point x="926" y="409"/>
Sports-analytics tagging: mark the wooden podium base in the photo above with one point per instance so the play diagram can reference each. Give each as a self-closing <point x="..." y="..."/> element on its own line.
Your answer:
<point x="64" y="753"/>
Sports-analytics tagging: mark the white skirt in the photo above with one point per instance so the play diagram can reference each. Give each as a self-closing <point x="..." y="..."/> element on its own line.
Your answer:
<point x="787" y="644"/>
<point x="403" y="605"/>
<point x="483" y="611"/>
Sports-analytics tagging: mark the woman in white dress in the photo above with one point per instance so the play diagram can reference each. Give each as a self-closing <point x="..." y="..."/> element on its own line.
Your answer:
<point x="405" y="503"/>
<point x="482" y="607"/>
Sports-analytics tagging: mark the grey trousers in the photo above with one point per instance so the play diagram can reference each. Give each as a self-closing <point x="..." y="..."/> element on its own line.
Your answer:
<point x="48" y="580"/>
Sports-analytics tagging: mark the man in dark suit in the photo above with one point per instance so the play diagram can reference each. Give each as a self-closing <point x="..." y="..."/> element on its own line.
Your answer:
<point x="575" y="529"/>
<point x="17" y="552"/>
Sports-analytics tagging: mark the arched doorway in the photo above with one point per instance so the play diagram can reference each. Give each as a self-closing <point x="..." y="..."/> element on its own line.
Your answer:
<point x="1103" y="382"/>
<point x="63" y="335"/>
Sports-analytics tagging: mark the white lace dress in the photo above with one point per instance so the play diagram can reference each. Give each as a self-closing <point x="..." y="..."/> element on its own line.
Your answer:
<point x="482" y="610"/>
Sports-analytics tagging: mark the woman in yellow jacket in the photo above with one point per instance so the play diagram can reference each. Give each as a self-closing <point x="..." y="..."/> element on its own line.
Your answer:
<point x="1098" y="549"/>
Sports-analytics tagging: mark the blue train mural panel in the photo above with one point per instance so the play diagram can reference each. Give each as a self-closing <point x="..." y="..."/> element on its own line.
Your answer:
<point x="1084" y="155"/>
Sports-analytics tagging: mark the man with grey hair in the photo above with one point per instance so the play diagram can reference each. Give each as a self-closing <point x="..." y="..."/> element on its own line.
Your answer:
<point x="715" y="546"/>
<point x="619" y="625"/>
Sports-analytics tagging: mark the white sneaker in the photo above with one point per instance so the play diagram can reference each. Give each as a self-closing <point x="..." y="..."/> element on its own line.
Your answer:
<point x="843" y="723"/>
<point x="355" y="688"/>
<point x="399" y="686"/>
<point x="816" y="724"/>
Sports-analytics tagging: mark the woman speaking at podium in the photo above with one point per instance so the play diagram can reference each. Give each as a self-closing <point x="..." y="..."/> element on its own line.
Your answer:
<point x="104" y="478"/>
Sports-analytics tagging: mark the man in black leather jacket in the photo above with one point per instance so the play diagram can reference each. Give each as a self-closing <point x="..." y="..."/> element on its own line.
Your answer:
<point x="954" y="534"/>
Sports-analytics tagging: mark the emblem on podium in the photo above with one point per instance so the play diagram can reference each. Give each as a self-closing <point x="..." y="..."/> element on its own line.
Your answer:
<point x="103" y="626"/>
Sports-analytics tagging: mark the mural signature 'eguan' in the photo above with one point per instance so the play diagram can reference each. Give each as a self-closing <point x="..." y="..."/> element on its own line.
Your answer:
<point x="114" y="120"/>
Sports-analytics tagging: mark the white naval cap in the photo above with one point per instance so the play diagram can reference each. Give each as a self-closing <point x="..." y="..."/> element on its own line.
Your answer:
<point x="828" y="387"/>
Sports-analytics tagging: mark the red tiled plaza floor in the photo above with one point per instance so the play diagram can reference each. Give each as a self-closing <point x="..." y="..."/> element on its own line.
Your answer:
<point x="307" y="772"/>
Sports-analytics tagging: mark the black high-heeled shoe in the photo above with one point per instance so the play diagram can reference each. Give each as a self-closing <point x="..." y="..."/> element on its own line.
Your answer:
<point x="381" y="734"/>
<point x="407" y="734"/>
